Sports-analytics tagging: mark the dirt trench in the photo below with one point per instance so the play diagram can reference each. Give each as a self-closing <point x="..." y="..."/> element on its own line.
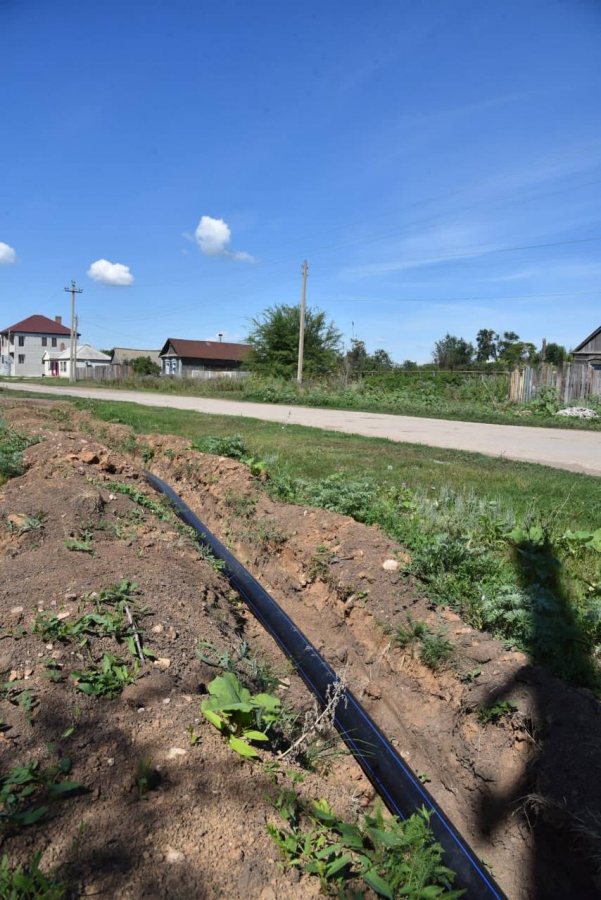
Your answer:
<point x="524" y="791"/>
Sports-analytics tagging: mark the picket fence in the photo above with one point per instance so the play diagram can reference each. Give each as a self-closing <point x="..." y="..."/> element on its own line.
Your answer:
<point x="572" y="381"/>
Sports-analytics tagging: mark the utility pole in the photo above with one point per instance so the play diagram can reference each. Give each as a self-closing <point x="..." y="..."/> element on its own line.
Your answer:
<point x="73" y="348"/>
<point x="301" y="336"/>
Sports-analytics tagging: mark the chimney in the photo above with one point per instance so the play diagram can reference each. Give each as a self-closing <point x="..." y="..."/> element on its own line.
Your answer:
<point x="58" y="320"/>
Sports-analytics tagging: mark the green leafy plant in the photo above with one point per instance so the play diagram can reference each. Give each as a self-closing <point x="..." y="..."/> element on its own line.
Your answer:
<point x="395" y="859"/>
<point x="29" y="883"/>
<point x="12" y="445"/>
<point x="493" y="714"/>
<point x="26" y="790"/>
<point x="232" y="446"/>
<point x="106" y="680"/>
<point x="238" y="715"/>
<point x="79" y="546"/>
<point x="147" y="778"/>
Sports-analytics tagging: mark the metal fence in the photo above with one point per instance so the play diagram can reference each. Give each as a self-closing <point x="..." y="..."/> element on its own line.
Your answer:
<point x="572" y="381"/>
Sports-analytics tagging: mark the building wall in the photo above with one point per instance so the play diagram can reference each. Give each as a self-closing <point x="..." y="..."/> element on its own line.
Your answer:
<point x="32" y="351"/>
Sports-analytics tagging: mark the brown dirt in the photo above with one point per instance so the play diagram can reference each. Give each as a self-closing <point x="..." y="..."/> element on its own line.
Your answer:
<point x="525" y="792"/>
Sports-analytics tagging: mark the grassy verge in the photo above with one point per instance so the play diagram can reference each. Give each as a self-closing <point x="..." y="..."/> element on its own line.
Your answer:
<point x="514" y="547"/>
<point x="467" y="398"/>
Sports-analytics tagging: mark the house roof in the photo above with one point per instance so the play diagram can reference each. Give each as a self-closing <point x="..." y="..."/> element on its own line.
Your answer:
<point x="219" y="350"/>
<point x="586" y="340"/>
<point x="38" y="325"/>
<point x="86" y="351"/>
<point x="121" y="353"/>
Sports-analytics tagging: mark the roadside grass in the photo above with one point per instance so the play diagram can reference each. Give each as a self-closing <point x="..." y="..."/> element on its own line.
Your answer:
<point x="469" y="397"/>
<point x="297" y="451"/>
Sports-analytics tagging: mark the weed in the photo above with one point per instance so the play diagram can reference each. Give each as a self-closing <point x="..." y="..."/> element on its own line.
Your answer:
<point x="409" y="635"/>
<point x="26" y="789"/>
<point x="493" y="714"/>
<point x="319" y="563"/>
<point x="147" y="779"/>
<point x="29" y="883"/>
<point x="393" y="858"/>
<point x="159" y="509"/>
<point x="436" y="651"/>
<point x="193" y="737"/>
<point x="232" y="446"/>
<point x="241" y="505"/>
<point x="237" y="715"/>
<point x="106" y="680"/>
<point x="315" y="742"/>
<point x="12" y="445"/>
<point x="79" y="546"/>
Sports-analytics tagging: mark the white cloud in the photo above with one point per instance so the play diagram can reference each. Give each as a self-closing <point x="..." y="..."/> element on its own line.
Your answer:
<point x="114" y="274"/>
<point x="213" y="236"/>
<point x="8" y="256"/>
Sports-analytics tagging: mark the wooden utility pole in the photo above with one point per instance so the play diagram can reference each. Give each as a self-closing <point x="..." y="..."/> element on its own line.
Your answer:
<point x="73" y="348"/>
<point x="301" y="336"/>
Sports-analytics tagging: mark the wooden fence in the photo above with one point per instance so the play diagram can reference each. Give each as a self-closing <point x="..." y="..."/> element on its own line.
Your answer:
<point x="573" y="382"/>
<point x="103" y="373"/>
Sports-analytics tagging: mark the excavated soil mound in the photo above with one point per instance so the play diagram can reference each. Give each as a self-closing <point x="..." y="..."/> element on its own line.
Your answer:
<point x="525" y="790"/>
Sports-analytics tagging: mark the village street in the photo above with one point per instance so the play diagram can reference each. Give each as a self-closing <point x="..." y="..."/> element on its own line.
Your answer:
<point x="577" y="451"/>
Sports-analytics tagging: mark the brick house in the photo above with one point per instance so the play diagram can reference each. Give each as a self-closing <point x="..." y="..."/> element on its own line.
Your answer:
<point x="23" y="345"/>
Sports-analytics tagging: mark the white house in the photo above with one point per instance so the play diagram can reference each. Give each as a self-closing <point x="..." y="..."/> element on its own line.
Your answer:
<point x="23" y="345"/>
<point x="59" y="364"/>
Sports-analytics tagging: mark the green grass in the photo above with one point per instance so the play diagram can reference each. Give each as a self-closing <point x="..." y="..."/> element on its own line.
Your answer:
<point x="574" y="499"/>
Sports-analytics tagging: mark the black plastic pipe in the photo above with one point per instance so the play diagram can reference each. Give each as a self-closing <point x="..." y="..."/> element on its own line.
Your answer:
<point x="389" y="774"/>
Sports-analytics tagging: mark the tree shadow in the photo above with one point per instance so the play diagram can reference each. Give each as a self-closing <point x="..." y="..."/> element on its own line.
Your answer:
<point x="560" y="793"/>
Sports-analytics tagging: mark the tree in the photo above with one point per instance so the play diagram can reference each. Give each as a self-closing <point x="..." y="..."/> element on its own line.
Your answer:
<point x="556" y="354"/>
<point x="381" y="361"/>
<point x="452" y="353"/>
<point x="274" y="341"/>
<point x="409" y="365"/>
<point x="143" y="365"/>
<point x="356" y="358"/>
<point x="512" y="351"/>
<point x="486" y="345"/>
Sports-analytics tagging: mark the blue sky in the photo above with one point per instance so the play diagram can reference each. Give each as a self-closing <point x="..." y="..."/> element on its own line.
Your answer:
<point x="437" y="163"/>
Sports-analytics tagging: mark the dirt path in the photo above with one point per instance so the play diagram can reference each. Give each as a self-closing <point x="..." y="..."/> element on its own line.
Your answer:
<point x="578" y="451"/>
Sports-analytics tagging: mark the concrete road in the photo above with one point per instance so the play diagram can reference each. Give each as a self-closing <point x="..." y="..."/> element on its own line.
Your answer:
<point x="578" y="451"/>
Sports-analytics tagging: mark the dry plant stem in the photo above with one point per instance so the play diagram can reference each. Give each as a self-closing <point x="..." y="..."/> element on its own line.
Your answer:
<point x="136" y="634"/>
<point x="315" y="721"/>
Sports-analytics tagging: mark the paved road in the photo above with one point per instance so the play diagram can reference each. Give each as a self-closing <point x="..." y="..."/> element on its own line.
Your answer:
<point x="579" y="451"/>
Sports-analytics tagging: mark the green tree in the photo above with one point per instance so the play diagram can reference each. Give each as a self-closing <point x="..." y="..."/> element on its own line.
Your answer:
<point x="380" y="361"/>
<point x="143" y="365"/>
<point x="486" y="345"/>
<point x="556" y="354"/>
<point x="453" y="353"/>
<point x="357" y="359"/>
<point x="512" y="351"/>
<point x="274" y="340"/>
<point x="409" y="365"/>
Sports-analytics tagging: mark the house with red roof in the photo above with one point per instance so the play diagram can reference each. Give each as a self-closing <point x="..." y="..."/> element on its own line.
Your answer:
<point x="201" y="359"/>
<point x="23" y="345"/>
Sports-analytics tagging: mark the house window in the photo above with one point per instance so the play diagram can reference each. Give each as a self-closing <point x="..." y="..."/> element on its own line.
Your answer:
<point x="63" y="366"/>
<point x="21" y="342"/>
<point x="21" y="358"/>
<point x="54" y="342"/>
<point x="44" y="342"/>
